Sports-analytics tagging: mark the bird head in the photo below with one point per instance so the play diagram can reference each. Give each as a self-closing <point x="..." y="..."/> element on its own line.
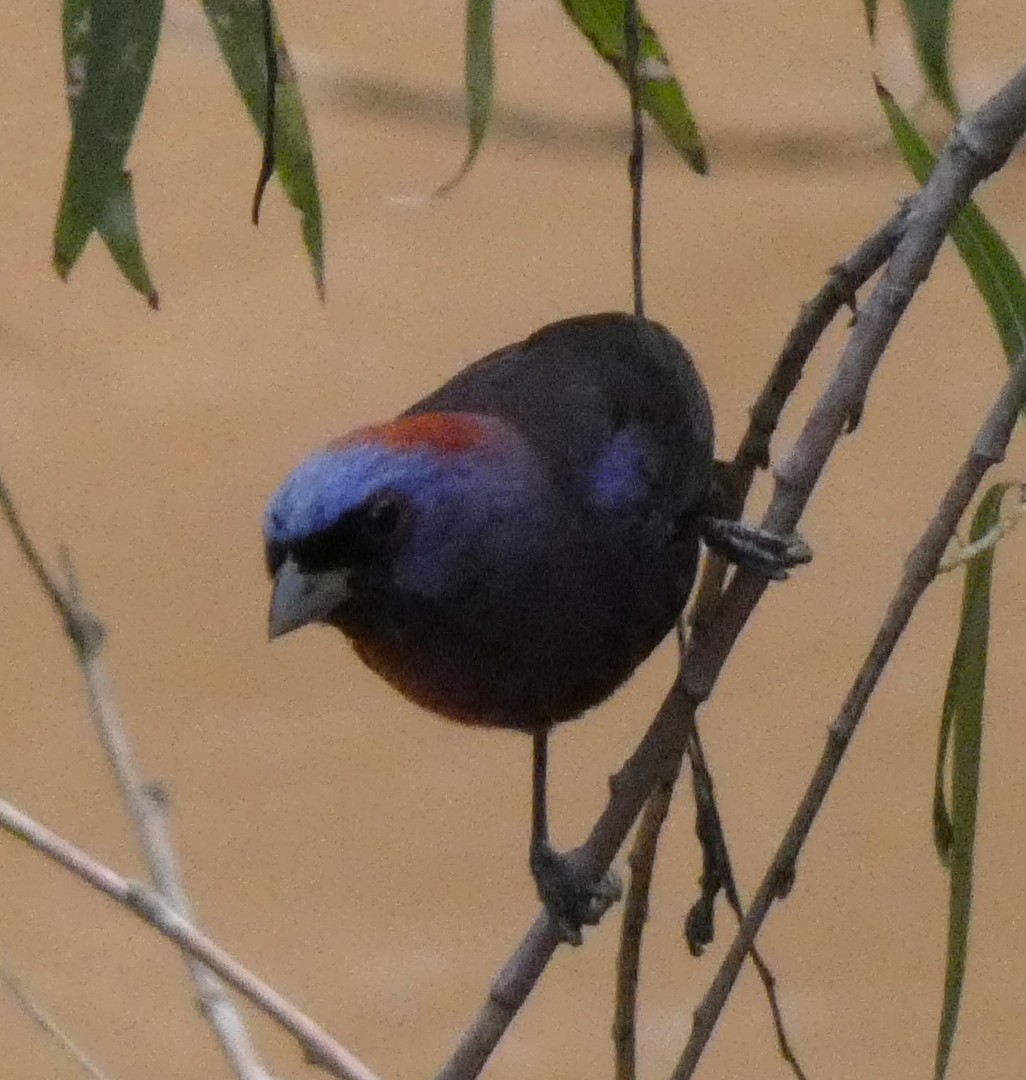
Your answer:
<point x="412" y="505"/>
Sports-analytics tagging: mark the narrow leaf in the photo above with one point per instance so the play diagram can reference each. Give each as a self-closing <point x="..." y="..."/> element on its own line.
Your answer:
<point x="601" y="22"/>
<point x="109" y="48"/>
<point x="120" y="232"/>
<point x="478" y="82"/>
<point x="238" y="26"/>
<point x="993" y="267"/>
<point x="930" y="22"/>
<point x="961" y="734"/>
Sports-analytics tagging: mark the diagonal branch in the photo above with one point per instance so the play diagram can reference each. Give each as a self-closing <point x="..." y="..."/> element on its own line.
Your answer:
<point x="146" y="803"/>
<point x="319" y="1046"/>
<point x="40" y="1016"/>
<point x="988" y="448"/>
<point x="978" y="147"/>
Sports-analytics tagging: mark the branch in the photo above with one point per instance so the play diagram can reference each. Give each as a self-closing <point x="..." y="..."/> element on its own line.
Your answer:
<point x="629" y="789"/>
<point x="319" y="1046"/>
<point x="40" y="1016"/>
<point x="716" y="862"/>
<point x="636" y="159"/>
<point x="146" y="803"/>
<point x="846" y="277"/>
<point x="988" y="448"/>
<point x="635" y="914"/>
<point x="965" y="553"/>
<point x="978" y="147"/>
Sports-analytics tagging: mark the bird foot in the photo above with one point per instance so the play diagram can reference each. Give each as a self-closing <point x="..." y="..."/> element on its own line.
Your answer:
<point x="756" y="549"/>
<point x="571" y="898"/>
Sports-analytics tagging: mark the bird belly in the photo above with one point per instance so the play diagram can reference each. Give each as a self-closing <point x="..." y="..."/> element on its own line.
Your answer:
<point x="417" y="682"/>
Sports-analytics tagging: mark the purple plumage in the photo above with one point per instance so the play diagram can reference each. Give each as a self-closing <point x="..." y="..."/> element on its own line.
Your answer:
<point x="509" y="549"/>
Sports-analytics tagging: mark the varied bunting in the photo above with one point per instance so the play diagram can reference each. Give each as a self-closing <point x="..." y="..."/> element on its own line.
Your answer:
<point x="510" y="548"/>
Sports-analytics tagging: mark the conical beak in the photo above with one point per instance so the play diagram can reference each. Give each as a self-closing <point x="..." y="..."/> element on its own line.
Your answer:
<point x="304" y="597"/>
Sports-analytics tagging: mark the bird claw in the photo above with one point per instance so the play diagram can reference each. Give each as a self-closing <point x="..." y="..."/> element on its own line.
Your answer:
<point x="570" y="897"/>
<point x="756" y="549"/>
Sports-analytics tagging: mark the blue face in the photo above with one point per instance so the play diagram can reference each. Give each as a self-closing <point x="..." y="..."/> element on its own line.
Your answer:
<point x="330" y="483"/>
<point x="470" y="512"/>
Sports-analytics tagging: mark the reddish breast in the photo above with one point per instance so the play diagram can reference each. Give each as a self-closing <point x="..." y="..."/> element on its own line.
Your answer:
<point x="405" y="675"/>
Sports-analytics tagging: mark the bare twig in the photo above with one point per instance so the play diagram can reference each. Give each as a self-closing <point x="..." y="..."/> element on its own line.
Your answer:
<point x="636" y="160"/>
<point x="965" y="553"/>
<point x="715" y="850"/>
<point x="319" y="1046"/>
<point x="629" y="789"/>
<point x="32" y="1008"/>
<point x="980" y="145"/>
<point x="146" y="803"/>
<point x="988" y="448"/>
<point x="846" y="277"/>
<point x="635" y="914"/>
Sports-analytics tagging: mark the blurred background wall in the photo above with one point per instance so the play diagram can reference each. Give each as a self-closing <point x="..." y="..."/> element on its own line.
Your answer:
<point x="366" y="859"/>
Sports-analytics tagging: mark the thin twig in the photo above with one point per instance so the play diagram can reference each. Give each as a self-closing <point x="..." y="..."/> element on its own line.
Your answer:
<point x="979" y="147"/>
<point x="146" y="803"/>
<point x="708" y="812"/>
<point x="267" y="161"/>
<point x="35" y="1011"/>
<point x="320" y="1048"/>
<point x="988" y="448"/>
<point x="840" y="289"/>
<point x="965" y="553"/>
<point x="642" y="857"/>
<point x="635" y="914"/>
<point x="636" y="161"/>
<point x="629" y="789"/>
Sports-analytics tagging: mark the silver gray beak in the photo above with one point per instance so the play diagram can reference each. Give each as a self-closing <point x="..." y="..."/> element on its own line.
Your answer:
<point x="300" y="597"/>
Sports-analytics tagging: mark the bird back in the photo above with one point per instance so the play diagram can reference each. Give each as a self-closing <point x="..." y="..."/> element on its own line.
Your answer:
<point x="573" y="386"/>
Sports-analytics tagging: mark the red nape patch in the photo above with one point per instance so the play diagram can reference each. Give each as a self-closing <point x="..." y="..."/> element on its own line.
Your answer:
<point x="450" y="433"/>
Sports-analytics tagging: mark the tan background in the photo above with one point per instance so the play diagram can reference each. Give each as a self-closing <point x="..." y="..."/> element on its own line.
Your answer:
<point x="365" y="859"/>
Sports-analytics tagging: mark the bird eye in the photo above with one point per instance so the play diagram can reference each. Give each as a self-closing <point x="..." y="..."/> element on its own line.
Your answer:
<point x="381" y="517"/>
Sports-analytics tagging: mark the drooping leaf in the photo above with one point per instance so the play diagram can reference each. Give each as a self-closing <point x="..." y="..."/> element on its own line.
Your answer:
<point x="930" y="22"/>
<point x="961" y="733"/>
<point x="120" y="232"/>
<point x="660" y="94"/>
<point x="239" y="28"/>
<point x="109" y="48"/>
<point x="994" y="269"/>
<point x="478" y="82"/>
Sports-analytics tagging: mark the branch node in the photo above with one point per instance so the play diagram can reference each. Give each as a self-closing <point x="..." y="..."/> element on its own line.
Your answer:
<point x="158" y="796"/>
<point x="85" y="630"/>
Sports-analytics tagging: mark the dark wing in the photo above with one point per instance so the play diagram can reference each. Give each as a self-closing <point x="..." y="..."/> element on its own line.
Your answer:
<point x="572" y="386"/>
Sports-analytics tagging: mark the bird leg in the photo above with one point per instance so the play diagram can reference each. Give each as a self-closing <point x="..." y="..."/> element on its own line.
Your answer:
<point x="756" y="549"/>
<point x="570" y="896"/>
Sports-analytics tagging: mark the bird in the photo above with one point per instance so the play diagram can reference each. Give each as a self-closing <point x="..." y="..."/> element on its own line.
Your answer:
<point x="507" y="551"/>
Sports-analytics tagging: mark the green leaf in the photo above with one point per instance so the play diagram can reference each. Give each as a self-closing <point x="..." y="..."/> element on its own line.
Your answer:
<point x="120" y="232"/>
<point x="869" y="7"/>
<point x="961" y="732"/>
<point x="661" y="96"/>
<point x="993" y="267"/>
<point x="930" y="22"/>
<point x="478" y="82"/>
<point x="239" y="29"/>
<point x="109" y="48"/>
